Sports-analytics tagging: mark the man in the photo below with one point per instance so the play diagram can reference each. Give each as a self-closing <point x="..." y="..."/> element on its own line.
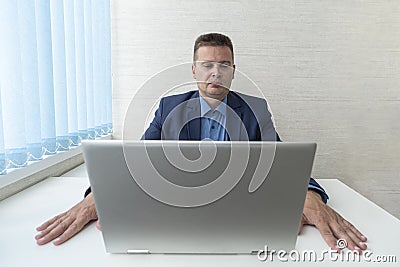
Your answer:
<point x="204" y="114"/>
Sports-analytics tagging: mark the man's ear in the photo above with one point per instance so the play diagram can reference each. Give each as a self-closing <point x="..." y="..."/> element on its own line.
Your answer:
<point x="194" y="71"/>
<point x="233" y="73"/>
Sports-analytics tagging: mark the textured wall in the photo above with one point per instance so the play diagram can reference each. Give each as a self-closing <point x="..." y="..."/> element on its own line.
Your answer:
<point x="329" y="69"/>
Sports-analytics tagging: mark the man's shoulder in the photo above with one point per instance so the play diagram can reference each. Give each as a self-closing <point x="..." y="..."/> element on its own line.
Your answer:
<point x="180" y="97"/>
<point x="250" y="100"/>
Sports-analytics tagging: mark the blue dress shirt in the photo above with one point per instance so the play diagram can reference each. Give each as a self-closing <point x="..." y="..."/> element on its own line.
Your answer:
<point x="213" y="121"/>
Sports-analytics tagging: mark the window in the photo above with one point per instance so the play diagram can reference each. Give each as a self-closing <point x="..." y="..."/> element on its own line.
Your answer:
<point x="55" y="77"/>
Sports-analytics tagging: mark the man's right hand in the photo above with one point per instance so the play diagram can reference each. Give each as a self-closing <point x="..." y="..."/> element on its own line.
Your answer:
<point x="67" y="224"/>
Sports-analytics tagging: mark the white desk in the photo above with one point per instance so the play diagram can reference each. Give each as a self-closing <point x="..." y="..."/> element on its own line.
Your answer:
<point x="21" y="213"/>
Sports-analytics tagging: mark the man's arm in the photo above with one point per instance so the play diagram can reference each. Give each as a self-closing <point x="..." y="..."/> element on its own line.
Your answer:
<point x="153" y="132"/>
<point x="312" y="185"/>
<point x="316" y="212"/>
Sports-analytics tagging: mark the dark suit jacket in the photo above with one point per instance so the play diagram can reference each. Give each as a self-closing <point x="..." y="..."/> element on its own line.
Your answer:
<point x="247" y="119"/>
<point x="178" y="118"/>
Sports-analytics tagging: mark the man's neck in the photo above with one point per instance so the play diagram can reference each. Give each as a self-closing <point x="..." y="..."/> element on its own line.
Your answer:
<point x="213" y="102"/>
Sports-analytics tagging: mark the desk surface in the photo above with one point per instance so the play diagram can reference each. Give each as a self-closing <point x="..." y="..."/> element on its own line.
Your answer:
<point x="21" y="213"/>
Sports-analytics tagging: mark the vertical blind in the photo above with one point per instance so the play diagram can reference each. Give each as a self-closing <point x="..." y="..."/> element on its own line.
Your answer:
<point x="55" y="77"/>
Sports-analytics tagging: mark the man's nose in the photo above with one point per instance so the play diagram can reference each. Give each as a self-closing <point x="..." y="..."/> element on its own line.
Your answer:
<point x="216" y="71"/>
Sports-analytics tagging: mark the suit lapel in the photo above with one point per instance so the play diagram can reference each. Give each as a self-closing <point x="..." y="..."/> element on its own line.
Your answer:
<point x="234" y="117"/>
<point x="193" y="117"/>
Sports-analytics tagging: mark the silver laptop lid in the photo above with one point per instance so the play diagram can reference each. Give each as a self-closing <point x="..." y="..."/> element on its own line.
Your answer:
<point x="222" y="199"/>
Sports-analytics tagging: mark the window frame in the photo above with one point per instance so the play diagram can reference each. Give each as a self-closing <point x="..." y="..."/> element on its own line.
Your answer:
<point x="36" y="171"/>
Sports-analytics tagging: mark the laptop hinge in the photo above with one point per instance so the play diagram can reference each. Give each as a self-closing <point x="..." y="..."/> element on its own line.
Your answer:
<point x="138" y="251"/>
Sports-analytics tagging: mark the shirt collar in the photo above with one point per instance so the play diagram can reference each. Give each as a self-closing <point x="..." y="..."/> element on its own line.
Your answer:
<point x="206" y="108"/>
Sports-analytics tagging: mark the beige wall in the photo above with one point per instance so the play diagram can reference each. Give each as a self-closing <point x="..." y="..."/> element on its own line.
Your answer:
<point x="329" y="69"/>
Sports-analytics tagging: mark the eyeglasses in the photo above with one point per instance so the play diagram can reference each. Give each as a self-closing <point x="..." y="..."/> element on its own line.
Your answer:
<point x="209" y="65"/>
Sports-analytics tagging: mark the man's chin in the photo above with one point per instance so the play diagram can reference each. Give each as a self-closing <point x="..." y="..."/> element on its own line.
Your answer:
<point x="217" y="93"/>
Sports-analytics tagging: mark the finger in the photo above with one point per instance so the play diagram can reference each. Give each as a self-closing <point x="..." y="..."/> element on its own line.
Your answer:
<point x="357" y="233"/>
<point x="300" y="228"/>
<point x="351" y="234"/>
<point x="55" y="232"/>
<point x="341" y="234"/>
<point x="64" y="221"/>
<point x="72" y="230"/>
<point x="341" y="231"/>
<point x="302" y="223"/>
<point x="98" y="225"/>
<point x="49" y="222"/>
<point x="49" y="227"/>
<point x="328" y="236"/>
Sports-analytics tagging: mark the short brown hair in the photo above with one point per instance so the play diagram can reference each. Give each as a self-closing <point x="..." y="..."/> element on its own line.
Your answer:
<point x="212" y="39"/>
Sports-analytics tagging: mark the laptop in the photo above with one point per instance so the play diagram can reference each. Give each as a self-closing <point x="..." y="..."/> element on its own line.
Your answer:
<point x="198" y="197"/>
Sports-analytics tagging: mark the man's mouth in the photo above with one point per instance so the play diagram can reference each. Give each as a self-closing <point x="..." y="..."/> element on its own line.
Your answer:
<point x="213" y="84"/>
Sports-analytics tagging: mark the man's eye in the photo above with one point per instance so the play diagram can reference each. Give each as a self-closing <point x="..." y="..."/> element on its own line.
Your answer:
<point x="224" y="66"/>
<point x="207" y="65"/>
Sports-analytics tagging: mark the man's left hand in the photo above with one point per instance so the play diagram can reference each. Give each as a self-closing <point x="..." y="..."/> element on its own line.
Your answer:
<point x="330" y="224"/>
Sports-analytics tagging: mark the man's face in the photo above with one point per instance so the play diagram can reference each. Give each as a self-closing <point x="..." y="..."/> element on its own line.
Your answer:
<point x="214" y="71"/>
